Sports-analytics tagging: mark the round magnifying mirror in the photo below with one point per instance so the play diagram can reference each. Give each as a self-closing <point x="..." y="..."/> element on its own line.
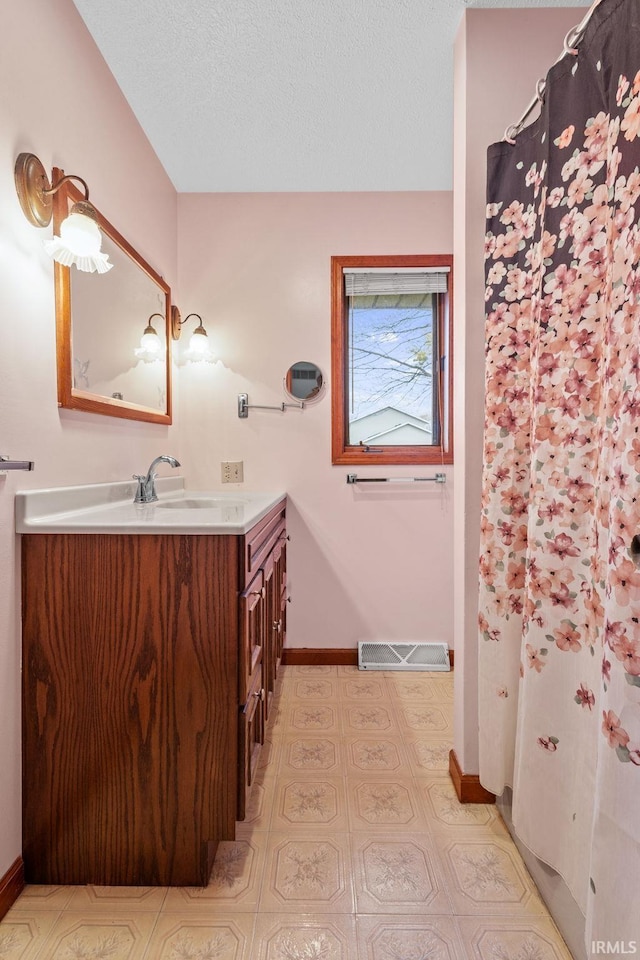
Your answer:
<point x="303" y="381"/>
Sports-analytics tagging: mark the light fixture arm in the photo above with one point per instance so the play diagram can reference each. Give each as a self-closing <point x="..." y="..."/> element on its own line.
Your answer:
<point x="49" y="191"/>
<point x="150" y="328"/>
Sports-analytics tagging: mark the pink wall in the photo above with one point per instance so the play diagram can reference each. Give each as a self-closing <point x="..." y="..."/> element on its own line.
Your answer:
<point x="60" y="101"/>
<point x="499" y="56"/>
<point x="366" y="563"/>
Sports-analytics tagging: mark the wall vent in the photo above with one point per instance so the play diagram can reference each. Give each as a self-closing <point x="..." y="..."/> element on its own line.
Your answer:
<point x="402" y="656"/>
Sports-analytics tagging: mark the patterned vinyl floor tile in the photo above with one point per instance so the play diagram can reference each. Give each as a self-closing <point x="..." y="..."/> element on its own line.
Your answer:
<point x="107" y="901"/>
<point x="43" y="897"/>
<point x="312" y="875"/>
<point x="426" y="718"/>
<point x="311" y="756"/>
<point x="376" y="755"/>
<point x="486" y="876"/>
<point x="307" y="717"/>
<point x="429" y="756"/>
<point x="235" y="881"/>
<point x="413" y="689"/>
<point x="304" y="937"/>
<point x="314" y="689"/>
<point x="302" y="803"/>
<point x="311" y="670"/>
<point x="398" y="873"/>
<point x="77" y="936"/>
<point x="377" y="805"/>
<point x="23" y="933"/>
<point x="408" y="938"/>
<point x="444" y="810"/>
<point x="197" y="938"/>
<point x="369" y="717"/>
<point x="365" y="689"/>
<point x="259" y="807"/>
<point x="535" y="938"/>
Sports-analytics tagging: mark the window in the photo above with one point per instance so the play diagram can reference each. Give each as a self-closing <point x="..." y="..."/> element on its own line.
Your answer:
<point x="391" y="359"/>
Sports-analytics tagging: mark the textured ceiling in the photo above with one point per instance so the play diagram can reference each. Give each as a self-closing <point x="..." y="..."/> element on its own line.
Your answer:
<point x="309" y="95"/>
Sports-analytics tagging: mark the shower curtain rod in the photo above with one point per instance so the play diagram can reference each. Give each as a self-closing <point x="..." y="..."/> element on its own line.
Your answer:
<point x="572" y="39"/>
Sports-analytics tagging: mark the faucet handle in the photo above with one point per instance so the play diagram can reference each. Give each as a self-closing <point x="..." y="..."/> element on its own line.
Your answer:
<point x="139" y="497"/>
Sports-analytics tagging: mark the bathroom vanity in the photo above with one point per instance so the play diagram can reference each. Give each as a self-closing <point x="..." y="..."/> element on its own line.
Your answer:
<point x="152" y="636"/>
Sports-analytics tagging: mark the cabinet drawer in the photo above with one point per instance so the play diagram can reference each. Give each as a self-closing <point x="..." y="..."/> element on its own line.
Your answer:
<point x="262" y="538"/>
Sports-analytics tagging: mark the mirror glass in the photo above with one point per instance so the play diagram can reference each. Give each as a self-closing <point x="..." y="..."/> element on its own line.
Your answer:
<point x="100" y="319"/>
<point x="303" y="381"/>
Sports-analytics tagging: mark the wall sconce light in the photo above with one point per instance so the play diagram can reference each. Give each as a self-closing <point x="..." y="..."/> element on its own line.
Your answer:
<point x="80" y="238"/>
<point x="199" y="347"/>
<point x="152" y="347"/>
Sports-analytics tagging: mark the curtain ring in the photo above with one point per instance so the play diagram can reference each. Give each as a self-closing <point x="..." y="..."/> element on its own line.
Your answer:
<point x="572" y="38"/>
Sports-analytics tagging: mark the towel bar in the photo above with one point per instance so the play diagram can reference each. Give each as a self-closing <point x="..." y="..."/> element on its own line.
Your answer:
<point x="354" y="478"/>
<point x="6" y="464"/>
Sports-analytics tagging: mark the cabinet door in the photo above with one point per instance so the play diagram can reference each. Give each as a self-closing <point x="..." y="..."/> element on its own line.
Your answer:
<point x="280" y="593"/>
<point x="252" y="632"/>
<point x="252" y="723"/>
<point x="271" y="616"/>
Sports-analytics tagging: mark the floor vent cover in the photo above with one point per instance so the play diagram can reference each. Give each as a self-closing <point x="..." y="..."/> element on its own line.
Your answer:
<point x="403" y="656"/>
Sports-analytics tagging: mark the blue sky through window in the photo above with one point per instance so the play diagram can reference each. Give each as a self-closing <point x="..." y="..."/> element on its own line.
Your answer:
<point x="391" y="356"/>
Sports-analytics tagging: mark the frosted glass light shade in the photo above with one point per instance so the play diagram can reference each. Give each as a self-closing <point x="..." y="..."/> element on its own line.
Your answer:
<point x="151" y="346"/>
<point x="199" y="348"/>
<point x="79" y="244"/>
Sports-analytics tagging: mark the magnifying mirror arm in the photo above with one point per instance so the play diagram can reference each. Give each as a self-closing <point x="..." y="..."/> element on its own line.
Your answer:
<point x="244" y="406"/>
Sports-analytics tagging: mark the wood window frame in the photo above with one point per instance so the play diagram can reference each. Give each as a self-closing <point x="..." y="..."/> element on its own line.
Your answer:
<point x="341" y="451"/>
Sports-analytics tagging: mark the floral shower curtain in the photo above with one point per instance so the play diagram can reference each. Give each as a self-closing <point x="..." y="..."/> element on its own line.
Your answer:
<point x="559" y="648"/>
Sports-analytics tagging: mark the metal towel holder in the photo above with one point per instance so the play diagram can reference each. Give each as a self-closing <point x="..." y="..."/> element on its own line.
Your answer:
<point x="6" y="464"/>
<point x="354" y="478"/>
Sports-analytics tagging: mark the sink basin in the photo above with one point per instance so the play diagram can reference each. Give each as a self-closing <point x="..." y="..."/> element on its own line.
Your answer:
<point x="204" y="503"/>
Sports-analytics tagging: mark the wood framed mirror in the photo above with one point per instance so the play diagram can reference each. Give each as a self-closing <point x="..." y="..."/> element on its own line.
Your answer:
<point x="100" y="319"/>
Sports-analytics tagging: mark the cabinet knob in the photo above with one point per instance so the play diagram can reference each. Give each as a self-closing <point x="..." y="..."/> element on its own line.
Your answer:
<point x="258" y="593"/>
<point x="277" y="625"/>
<point x="285" y="536"/>
<point x="259" y="695"/>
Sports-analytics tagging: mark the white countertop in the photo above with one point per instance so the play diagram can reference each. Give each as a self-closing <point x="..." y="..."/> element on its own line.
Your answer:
<point x="109" y="508"/>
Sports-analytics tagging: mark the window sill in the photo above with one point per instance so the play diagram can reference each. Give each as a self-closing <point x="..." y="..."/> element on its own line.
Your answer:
<point x="355" y="456"/>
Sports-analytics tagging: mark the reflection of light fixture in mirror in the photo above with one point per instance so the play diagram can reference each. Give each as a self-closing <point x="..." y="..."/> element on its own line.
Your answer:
<point x="80" y="238"/>
<point x="151" y="345"/>
<point x="199" y="348"/>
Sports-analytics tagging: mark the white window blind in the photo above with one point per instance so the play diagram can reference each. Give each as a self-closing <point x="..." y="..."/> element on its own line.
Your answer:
<point x="372" y="282"/>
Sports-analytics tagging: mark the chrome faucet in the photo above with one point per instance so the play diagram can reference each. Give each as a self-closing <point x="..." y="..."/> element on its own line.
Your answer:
<point x="146" y="492"/>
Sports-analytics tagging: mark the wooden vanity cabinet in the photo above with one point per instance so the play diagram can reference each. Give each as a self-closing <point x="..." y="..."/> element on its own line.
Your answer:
<point x="136" y="746"/>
